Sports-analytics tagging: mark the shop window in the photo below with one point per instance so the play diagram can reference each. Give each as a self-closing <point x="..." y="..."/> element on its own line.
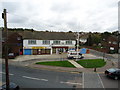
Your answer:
<point x="114" y="42"/>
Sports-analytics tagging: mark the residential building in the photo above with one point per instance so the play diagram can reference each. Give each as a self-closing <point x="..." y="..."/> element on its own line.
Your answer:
<point x="111" y="44"/>
<point x="14" y="43"/>
<point x="83" y="38"/>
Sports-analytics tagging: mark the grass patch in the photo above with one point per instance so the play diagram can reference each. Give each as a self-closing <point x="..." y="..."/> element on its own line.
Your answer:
<point x="92" y="63"/>
<point x="57" y="63"/>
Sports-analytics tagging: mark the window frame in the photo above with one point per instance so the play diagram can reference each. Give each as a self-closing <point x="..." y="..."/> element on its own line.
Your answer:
<point x="68" y="42"/>
<point x="32" y="42"/>
<point x="46" y="42"/>
<point x="56" y="42"/>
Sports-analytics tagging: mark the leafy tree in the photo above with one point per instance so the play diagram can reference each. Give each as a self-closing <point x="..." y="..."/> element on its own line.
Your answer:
<point x="94" y="38"/>
<point x="105" y="34"/>
<point x="116" y="33"/>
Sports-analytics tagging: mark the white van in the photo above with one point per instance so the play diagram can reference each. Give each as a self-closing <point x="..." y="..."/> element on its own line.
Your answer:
<point x="72" y="54"/>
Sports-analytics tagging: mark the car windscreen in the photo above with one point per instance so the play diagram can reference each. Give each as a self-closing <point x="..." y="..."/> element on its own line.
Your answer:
<point x="11" y="54"/>
<point x="112" y="69"/>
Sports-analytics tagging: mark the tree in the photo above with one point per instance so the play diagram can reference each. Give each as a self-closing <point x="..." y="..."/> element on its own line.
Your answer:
<point x="105" y="35"/>
<point x="70" y="31"/>
<point x="93" y="38"/>
<point x="116" y="33"/>
<point x="89" y="40"/>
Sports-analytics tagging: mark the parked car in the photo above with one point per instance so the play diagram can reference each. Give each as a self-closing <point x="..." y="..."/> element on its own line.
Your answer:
<point x="72" y="54"/>
<point x="11" y="55"/>
<point x="113" y="73"/>
<point x="12" y="86"/>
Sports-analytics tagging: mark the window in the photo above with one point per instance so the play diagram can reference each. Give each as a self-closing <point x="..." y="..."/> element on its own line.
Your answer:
<point x="3" y="39"/>
<point x="109" y="42"/>
<point x="69" y="42"/>
<point x="31" y="41"/>
<point x="46" y="42"/>
<point x="18" y="38"/>
<point x="56" y="42"/>
<point x="114" y="42"/>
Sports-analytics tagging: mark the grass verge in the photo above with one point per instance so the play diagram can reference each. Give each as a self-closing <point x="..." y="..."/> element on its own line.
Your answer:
<point x="92" y="63"/>
<point x="57" y="63"/>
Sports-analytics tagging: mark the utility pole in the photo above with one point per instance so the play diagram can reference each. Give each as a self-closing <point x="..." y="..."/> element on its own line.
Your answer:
<point x="77" y="45"/>
<point x="4" y="16"/>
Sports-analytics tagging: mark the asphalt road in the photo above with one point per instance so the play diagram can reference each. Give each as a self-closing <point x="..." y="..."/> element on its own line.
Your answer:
<point x="107" y="56"/>
<point x="109" y="82"/>
<point x="35" y="78"/>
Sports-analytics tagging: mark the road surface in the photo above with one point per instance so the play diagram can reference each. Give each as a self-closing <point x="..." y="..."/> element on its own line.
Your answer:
<point x="35" y="78"/>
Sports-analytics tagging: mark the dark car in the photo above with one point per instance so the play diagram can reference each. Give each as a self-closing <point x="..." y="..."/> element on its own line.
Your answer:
<point x="11" y="56"/>
<point x="12" y="86"/>
<point x="113" y="73"/>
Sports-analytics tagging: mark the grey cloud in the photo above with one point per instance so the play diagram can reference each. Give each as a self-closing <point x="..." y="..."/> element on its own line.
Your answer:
<point x="113" y="28"/>
<point x="63" y="7"/>
<point x="11" y="6"/>
<point x="62" y="15"/>
<point x="17" y="19"/>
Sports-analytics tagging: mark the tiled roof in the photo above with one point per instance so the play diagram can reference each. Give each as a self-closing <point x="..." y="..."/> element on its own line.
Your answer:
<point x="40" y="35"/>
<point x="49" y="35"/>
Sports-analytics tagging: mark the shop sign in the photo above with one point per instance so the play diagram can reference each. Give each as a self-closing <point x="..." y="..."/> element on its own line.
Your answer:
<point x="38" y="47"/>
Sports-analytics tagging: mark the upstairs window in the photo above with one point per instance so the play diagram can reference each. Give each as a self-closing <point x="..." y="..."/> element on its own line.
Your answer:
<point x="56" y="42"/>
<point x="109" y="42"/>
<point x="18" y="38"/>
<point x="32" y="42"/>
<point x="114" y="42"/>
<point x="46" y="42"/>
<point x="69" y="42"/>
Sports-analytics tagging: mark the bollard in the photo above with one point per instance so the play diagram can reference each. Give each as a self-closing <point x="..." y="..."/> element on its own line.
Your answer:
<point x="95" y="70"/>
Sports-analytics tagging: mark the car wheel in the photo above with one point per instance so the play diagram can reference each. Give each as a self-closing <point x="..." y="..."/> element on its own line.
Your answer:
<point x="115" y="78"/>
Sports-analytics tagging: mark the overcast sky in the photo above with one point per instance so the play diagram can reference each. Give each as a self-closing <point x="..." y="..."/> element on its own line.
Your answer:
<point x="62" y="15"/>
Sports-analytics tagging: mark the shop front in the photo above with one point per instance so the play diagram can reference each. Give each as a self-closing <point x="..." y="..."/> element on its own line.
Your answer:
<point x="58" y="50"/>
<point x="40" y="50"/>
<point x="36" y="50"/>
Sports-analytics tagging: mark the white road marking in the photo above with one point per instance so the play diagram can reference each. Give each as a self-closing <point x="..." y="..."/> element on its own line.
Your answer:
<point x="71" y="83"/>
<point x="34" y="78"/>
<point x="83" y="80"/>
<point x="100" y="80"/>
<point x="5" y="73"/>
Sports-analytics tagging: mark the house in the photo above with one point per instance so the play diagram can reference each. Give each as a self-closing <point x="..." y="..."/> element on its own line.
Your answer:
<point x="111" y="44"/>
<point x="83" y="38"/>
<point x="14" y="43"/>
<point x="38" y="43"/>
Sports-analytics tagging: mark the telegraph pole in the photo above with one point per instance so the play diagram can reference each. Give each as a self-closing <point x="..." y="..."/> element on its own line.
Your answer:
<point x="4" y="16"/>
<point x="77" y="45"/>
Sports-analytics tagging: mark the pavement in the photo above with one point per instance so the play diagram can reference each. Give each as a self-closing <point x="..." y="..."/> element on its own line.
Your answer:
<point x="53" y="56"/>
<point x="33" y="57"/>
<point x="29" y="60"/>
<point x="75" y="64"/>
